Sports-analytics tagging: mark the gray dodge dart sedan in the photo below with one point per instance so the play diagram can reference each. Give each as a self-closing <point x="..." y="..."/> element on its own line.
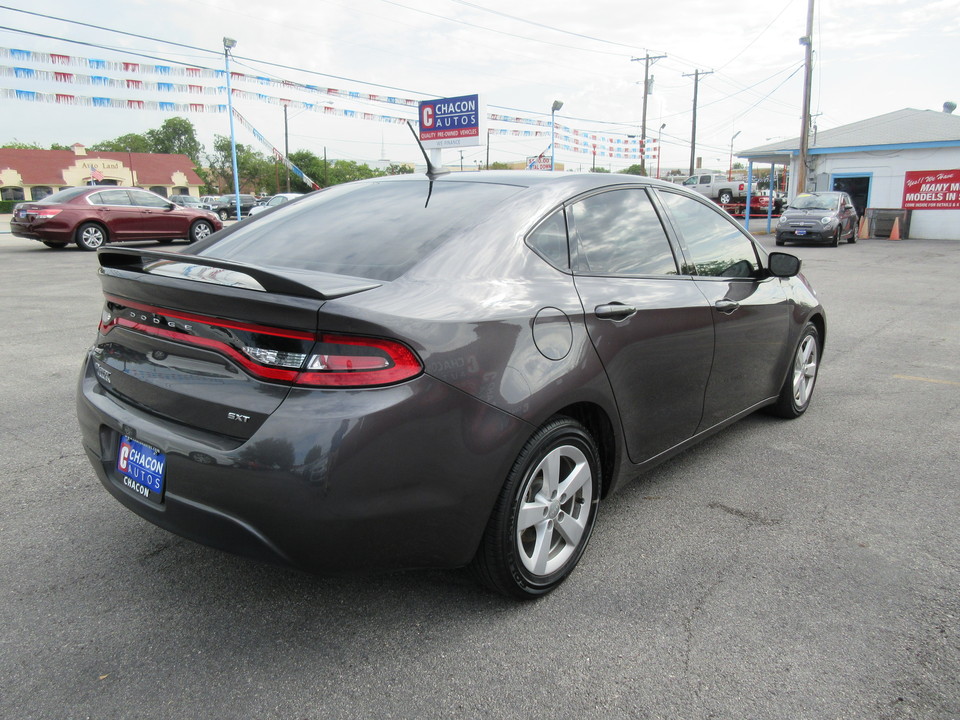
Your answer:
<point x="436" y="371"/>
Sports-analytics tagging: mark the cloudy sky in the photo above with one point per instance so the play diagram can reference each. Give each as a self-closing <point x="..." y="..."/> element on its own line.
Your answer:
<point x="871" y="57"/>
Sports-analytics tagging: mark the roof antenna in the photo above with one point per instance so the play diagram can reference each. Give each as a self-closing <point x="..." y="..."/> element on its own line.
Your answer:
<point x="432" y="170"/>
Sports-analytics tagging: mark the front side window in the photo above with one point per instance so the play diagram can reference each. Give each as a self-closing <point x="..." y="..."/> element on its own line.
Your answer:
<point x="715" y="242"/>
<point x="145" y="199"/>
<point x="619" y="233"/>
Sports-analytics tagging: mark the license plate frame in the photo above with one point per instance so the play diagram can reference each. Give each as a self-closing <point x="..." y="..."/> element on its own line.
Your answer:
<point x="800" y="233"/>
<point x="142" y="468"/>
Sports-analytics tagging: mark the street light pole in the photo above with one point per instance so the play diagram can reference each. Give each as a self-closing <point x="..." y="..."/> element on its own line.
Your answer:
<point x="730" y="170"/>
<point x="659" y="148"/>
<point x="228" y="45"/>
<point x="557" y="104"/>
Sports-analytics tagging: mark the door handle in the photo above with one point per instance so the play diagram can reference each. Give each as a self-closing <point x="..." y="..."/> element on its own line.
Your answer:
<point x="726" y="306"/>
<point x="614" y="311"/>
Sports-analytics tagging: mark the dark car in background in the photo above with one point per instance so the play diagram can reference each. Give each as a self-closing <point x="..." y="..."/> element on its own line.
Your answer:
<point x="225" y="206"/>
<point x="819" y="217"/>
<point x="189" y="201"/>
<point x="433" y="372"/>
<point x="95" y="215"/>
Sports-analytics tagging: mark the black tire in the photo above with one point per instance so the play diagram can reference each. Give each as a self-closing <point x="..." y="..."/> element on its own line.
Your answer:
<point x="90" y="236"/>
<point x="835" y="240"/>
<point x="725" y="197"/>
<point x="853" y="233"/>
<point x="797" y="390"/>
<point x="55" y="245"/>
<point x="528" y="562"/>
<point x="223" y="214"/>
<point x="779" y="241"/>
<point x="199" y="230"/>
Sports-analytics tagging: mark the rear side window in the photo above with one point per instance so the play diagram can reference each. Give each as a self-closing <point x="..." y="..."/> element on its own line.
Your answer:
<point x="375" y="230"/>
<point x="111" y="197"/>
<point x="619" y="233"/>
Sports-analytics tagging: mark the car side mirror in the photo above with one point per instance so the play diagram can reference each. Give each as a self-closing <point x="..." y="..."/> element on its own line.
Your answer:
<point x="784" y="265"/>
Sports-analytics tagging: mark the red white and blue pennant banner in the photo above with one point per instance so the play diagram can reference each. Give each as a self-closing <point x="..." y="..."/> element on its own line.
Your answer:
<point x="627" y="147"/>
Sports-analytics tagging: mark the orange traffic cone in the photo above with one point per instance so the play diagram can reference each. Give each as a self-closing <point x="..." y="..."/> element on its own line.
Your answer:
<point x="864" y="232"/>
<point x="895" y="231"/>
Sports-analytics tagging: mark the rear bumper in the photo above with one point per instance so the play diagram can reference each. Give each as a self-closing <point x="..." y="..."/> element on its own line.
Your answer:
<point x="41" y="232"/>
<point x="334" y="481"/>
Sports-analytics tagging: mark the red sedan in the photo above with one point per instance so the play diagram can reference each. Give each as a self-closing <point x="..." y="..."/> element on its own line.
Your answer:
<point x="93" y="216"/>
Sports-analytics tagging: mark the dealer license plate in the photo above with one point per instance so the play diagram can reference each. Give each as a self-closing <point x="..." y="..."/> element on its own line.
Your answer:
<point x="800" y="232"/>
<point x="141" y="468"/>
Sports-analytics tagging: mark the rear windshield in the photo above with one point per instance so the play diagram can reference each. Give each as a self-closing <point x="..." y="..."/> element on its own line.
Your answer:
<point x="63" y="195"/>
<point x="375" y="230"/>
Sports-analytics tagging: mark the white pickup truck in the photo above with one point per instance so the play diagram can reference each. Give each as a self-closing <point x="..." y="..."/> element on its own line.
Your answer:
<point x="717" y="187"/>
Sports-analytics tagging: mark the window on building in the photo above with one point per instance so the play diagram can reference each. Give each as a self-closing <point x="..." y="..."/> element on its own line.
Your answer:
<point x="179" y="191"/>
<point x="159" y="190"/>
<point x="40" y="192"/>
<point x="12" y="194"/>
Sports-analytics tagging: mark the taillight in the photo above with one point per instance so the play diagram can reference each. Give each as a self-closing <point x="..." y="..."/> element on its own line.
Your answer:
<point x="275" y="354"/>
<point x="47" y="213"/>
<point x="349" y="361"/>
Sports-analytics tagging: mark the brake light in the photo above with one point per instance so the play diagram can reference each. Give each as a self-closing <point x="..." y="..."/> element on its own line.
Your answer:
<point x="47" y="213"/>
<point x="274" y="354"/>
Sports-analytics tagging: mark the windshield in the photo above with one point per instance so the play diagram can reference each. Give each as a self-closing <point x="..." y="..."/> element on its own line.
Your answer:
<point x="376" y="230"/>
<point x="820" y="201"/>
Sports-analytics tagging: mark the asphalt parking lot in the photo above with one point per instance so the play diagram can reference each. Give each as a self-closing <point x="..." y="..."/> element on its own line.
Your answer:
<point x="804" y="569"/>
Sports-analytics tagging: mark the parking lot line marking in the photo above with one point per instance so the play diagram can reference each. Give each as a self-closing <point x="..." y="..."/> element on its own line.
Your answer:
<point x="929" y="380"/>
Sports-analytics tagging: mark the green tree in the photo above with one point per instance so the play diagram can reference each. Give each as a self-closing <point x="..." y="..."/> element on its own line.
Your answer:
<point x="255" y="171"/>
<point x="633" y="170"/>
<point x="131" y="142"/>
<point x="176" y="136"/>
<point x="311" y="165"/>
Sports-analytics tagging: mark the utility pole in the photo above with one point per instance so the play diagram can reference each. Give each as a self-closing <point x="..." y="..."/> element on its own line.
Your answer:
<point x="286" y="145"/>
<point x="646" y="91"/>
<point x="807" y="42"/>
<point x="693" y="136"/>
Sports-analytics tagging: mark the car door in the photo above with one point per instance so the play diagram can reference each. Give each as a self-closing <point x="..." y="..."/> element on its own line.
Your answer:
<point x="651" y="327"/>
<point x="848" y="215"/>
<point x="160" y="221"/>
<point x="750" y="310"/>
<point x="118" y="213"/>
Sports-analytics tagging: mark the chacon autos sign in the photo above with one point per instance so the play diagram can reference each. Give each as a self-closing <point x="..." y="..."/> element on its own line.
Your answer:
<point x="453" y="122"/>
<point x="931" y="190"/>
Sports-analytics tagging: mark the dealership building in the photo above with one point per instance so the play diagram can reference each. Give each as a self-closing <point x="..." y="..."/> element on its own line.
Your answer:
<point x="34" y="174"/>
<point x="903" y="166"/>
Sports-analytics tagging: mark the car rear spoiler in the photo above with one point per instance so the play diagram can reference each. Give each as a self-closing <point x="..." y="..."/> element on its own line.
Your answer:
<point x="286" y="281"/>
